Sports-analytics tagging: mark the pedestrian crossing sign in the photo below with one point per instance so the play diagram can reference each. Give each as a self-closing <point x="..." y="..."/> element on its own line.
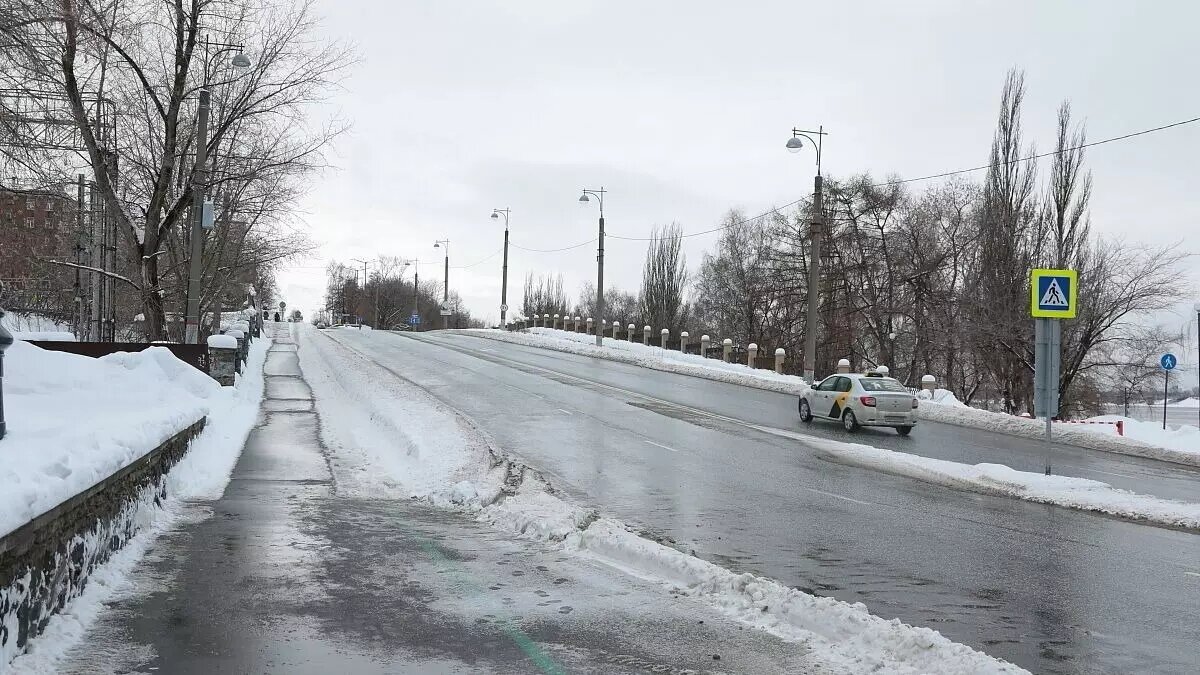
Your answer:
<point x="1054" y="294"/>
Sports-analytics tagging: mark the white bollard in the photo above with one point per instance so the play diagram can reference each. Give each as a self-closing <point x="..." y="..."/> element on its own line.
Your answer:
<point x="555" y="324"/>
<point x="727" y="350"/>
<point x="645" y="335"/>
<point x="843" y="365"/>
<point x="545" y="321"/>
<point x="751" y="354"/>
<point x="705" y="341"/>
<point x="616" y="330"/>
<point x="578" y="322"/>
<point x="666" y="333"/>
<point x="632" y="332"/>
<point x="780" y="355"/>
<point x="683" y="341"/>
<point x="928" y="382"/>
<point x="589" y="325"/>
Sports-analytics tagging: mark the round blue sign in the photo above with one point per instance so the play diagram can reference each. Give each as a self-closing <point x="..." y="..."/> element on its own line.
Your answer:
<point x="1168" y="361"/>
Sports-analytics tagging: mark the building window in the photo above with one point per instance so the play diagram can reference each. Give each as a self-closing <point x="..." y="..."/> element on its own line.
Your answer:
<point x="29" y="222"/>
<point x="29" y="205"/>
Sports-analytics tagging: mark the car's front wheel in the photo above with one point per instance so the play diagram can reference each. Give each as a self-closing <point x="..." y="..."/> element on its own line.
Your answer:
<point x="904" y="431"/>
<point x="849" y="421"/>
<point x="805" y="411"/>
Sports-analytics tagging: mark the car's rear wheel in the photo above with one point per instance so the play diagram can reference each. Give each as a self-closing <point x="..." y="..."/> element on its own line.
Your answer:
<point x="849" y="421"/>
<point x="904" y="431"/>
<point x="805" y="411"/>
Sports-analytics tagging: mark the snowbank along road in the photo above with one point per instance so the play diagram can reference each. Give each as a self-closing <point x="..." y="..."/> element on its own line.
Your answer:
<point x="1049" y="589"/>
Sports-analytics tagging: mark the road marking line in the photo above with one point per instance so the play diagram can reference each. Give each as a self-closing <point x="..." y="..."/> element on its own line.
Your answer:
<point x="665" y="447"/>
<point x="566" y="411"/>
<point x="1194" y="574"/>
<point x="837" y="496"/>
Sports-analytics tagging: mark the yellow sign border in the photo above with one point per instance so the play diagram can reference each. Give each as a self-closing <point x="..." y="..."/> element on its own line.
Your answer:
<point x="1072" y="299"/>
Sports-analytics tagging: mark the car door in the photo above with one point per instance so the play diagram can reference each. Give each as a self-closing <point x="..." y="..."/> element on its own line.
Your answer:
<point x="822" y="396"/>
<point x="839" y="398"/>
<point x="819" y="395"/>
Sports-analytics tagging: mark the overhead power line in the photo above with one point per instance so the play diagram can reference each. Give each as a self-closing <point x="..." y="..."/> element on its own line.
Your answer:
<point x="944" y="174"/>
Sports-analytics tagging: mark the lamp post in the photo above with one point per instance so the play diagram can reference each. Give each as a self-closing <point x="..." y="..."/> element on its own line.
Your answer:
<point x="364" y="292"/>
<point x="599" y="195"/>
<point x="445" y="309"/>
<point x="240" y="63"/>
<point x="815" y="232"/>
<point x="496" y="213"/>
<point x="416" y="292"/>
<point x="1197" y="308"/>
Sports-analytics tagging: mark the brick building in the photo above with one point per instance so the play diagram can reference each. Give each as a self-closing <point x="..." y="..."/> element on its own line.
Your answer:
<point x="35" y="225"/>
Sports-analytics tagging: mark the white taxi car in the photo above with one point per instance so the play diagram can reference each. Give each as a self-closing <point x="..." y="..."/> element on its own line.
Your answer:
<point x="869" y="399"/>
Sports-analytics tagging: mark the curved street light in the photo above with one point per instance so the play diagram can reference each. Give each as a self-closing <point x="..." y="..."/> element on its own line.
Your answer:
<point x="599" y="195"/>
<point x="816" y="230"/>
<point x="496" y="213"/>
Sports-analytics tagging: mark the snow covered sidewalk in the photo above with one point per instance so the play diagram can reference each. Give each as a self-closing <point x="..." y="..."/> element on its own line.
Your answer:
<point x="655" y="358"/>
<point x="1178" y="444"/>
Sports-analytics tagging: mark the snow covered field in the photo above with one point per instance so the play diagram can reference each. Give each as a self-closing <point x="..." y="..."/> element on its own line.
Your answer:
<point x="1180" y="445"/>
<point x="390" y="437"/>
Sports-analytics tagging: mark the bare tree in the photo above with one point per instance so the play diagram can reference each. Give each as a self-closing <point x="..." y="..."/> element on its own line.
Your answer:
<point x="156" y="62"/>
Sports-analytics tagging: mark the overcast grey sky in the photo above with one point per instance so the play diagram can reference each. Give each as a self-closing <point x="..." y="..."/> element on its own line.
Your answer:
<point x="681" y="110"/>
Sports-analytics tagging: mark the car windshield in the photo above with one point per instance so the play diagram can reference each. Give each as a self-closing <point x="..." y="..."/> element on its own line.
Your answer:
<point x="881" y="384"/>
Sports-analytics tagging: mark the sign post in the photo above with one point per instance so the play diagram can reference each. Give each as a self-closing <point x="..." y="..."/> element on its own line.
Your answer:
<point x="1053" y="297"/>
<point x="414" y="320"/>
<point x="1168" y="363"/>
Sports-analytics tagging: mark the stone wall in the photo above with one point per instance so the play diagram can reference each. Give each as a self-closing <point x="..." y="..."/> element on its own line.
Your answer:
<point x="46" y="563"/>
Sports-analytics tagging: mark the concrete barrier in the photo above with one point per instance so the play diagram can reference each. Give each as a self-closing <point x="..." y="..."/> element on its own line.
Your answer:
<point x="223" y="359"/>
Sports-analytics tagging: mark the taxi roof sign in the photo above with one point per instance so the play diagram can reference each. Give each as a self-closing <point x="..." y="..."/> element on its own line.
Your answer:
<point x="1054" y="294"/>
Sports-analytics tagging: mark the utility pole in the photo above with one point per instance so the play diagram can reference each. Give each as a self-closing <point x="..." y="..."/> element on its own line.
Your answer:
<point x="445" y="308"/>
<point x="599" y="194"/>
<point x="416" y="290"/>
<point x="199" y="183"/>
<point x="815" y="233"/>
<point x="79" y="226"/>
<point x="504" y="270"/>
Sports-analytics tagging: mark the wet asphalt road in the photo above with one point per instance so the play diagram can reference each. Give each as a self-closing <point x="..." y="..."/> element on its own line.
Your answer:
<point x="283" y="575"/>
<point x="1051" y="589"/>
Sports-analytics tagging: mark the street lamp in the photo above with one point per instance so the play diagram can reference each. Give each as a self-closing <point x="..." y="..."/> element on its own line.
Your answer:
<point x="599" y="195"/>
<point x="815" y="232"/>
<point x="240" y="63"/>
<point x="496" y="213"/>
<point x="1197" y="308"/>
<point x="445" y="310"/>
